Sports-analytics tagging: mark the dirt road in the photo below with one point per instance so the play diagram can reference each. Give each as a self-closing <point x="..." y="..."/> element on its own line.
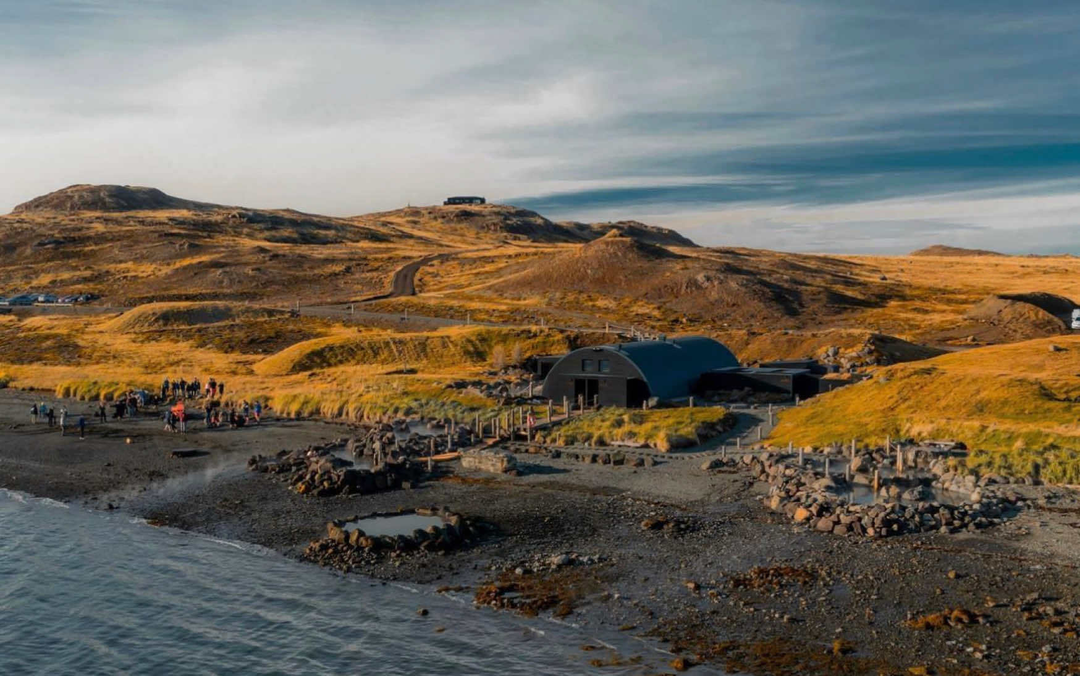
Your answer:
<point x="404" y="281"/>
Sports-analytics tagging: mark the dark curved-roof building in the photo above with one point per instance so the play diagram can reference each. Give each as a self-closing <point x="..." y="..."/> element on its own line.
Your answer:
<point x="627" y="374"/>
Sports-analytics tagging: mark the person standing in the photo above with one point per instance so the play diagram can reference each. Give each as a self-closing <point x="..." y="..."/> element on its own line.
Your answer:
<point x="102" y="413"/>
<point x="82" y="427"/>
<point x="63" y="420"/>
<point x="258" y="411"/>
<point x="33" y="414"/>
<point x="51" y="417"/>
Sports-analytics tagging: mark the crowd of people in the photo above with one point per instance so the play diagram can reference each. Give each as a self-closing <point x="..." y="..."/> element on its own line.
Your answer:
<point x="177" y="395"/>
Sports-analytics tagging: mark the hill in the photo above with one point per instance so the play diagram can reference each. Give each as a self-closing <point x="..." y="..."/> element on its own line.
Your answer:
<point x="954" y="251"/>
<point x="500" y="222"/>
<point x="649" y="234"/>
<point x="465" y="224"/>
<point x="107" y="198"/>
<point x="1015" y="400"/>
<point x="714" y="288"/>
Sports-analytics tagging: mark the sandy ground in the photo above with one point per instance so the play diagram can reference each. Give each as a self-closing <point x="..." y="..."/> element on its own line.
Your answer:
<point x="678" y="585"/>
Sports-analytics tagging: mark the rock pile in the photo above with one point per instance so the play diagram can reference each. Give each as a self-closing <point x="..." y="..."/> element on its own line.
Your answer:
<point x="502" y="391"/>
<point x="315" y="471"/>
<point x="347" y="549"/>
<point x="811" y="498"/>
<point x="377" y="440"/>
<point x="613" y="458"/>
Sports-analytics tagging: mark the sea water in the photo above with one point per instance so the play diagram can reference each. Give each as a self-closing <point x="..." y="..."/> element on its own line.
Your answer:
<point x="87" y="592"/>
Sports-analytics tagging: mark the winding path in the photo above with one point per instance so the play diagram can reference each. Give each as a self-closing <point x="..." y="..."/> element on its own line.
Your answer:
<point x="403" y="282"/>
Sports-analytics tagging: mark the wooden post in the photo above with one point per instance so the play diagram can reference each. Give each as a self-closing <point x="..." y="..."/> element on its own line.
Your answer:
<point x="738" y="443"/>
<point x="691" y="402"/>
<point x="847" y="473"/>
<point x="723" y="451"/>
<point x="760" y="433"/>
<point x="888" y="444"/>
<point x="566" y="407"/>
<point x="449" y="441"/>
<point x="899" y="461"/>
<point x="530" y="389"/>
<point x="800" y="457"/>
<point x="826" y="465"/>
<point x="431" y="445"/>
<point x="549" y="411"/>
<point x="877" y="482"/>
<point x="852" y="449"/>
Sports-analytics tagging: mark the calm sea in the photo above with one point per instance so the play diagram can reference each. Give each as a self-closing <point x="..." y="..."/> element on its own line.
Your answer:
<point x="84" y="592"/>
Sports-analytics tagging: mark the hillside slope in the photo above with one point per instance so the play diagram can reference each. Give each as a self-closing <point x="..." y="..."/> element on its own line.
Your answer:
<point x="1006" y="399"/>
<point x="945" y="250"/>
<point x="722" y="288"/>
<point x="108" y="198"/>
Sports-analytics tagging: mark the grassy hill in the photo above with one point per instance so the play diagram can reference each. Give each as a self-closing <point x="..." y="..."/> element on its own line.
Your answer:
<point x="1019" y="403"/>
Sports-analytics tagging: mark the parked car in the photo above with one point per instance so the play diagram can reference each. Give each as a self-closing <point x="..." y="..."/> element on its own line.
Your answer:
<point x="21" y="300"/>
<point x="1076" y="319"/>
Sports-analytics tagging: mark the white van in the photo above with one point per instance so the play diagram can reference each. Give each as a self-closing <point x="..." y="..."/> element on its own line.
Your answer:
<point x="1076" y="319"/>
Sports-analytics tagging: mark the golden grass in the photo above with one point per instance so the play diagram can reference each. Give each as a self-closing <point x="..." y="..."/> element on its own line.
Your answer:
<point x="937" y="290"/>
<point x="1016" y="404"/>
<point x="662" y="428"/>
<point x="460" y="347"/>
<point x="380" y="399"/>
<point x="168" y="315"/>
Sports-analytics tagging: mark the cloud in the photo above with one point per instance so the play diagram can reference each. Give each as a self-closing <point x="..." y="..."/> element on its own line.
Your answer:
<point x="739" y="121"/>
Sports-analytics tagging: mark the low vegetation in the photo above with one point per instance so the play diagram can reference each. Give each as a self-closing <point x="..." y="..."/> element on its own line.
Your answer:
<point x="1018" y="405"/>
<point x="663" y="429"/>
<point x="454" y="347"/>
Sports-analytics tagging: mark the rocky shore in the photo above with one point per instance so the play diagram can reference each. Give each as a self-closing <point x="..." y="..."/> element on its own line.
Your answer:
<point x="690" y="554"/>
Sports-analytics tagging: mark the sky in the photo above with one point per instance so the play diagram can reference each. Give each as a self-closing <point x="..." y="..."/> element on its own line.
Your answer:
<point x="810" y="125"/>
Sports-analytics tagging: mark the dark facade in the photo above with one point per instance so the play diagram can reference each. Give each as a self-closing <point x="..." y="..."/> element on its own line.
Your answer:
<point x="786" y="381"/>
<point x="628" y="374"/>
<point x="792" y="382"/>
<point x="541" y="365"/>
<point x="465" y="199"/>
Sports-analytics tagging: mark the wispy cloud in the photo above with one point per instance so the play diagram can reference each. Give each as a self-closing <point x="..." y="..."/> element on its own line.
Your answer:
<point x="810" y="124"/>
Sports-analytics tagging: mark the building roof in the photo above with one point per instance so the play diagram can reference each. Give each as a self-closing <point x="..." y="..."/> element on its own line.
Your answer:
<point x="766" y="370"/>
<point x="672" y="367"/>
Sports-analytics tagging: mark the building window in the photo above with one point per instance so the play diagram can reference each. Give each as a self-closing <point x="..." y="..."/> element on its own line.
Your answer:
<point x="605" y="366"/>
<point x="588" y="365"/>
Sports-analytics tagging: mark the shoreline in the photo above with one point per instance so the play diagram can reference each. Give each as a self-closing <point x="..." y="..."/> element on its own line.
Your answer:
<point x="689" y="587"/>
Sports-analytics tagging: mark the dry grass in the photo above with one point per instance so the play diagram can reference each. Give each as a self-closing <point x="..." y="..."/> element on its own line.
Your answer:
<point x="663" y="429"/>
<point x="456" y="348"/>
<point x="1017" y="404"/>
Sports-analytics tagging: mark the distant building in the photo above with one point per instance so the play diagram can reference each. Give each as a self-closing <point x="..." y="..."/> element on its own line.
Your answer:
<point x="672" y="370"/>
<point x="628" y="374"/>
<point x="467" y="199"/>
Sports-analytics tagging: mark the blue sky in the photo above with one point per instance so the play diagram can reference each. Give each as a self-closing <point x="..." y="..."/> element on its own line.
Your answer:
<point x="813" y="125"/>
